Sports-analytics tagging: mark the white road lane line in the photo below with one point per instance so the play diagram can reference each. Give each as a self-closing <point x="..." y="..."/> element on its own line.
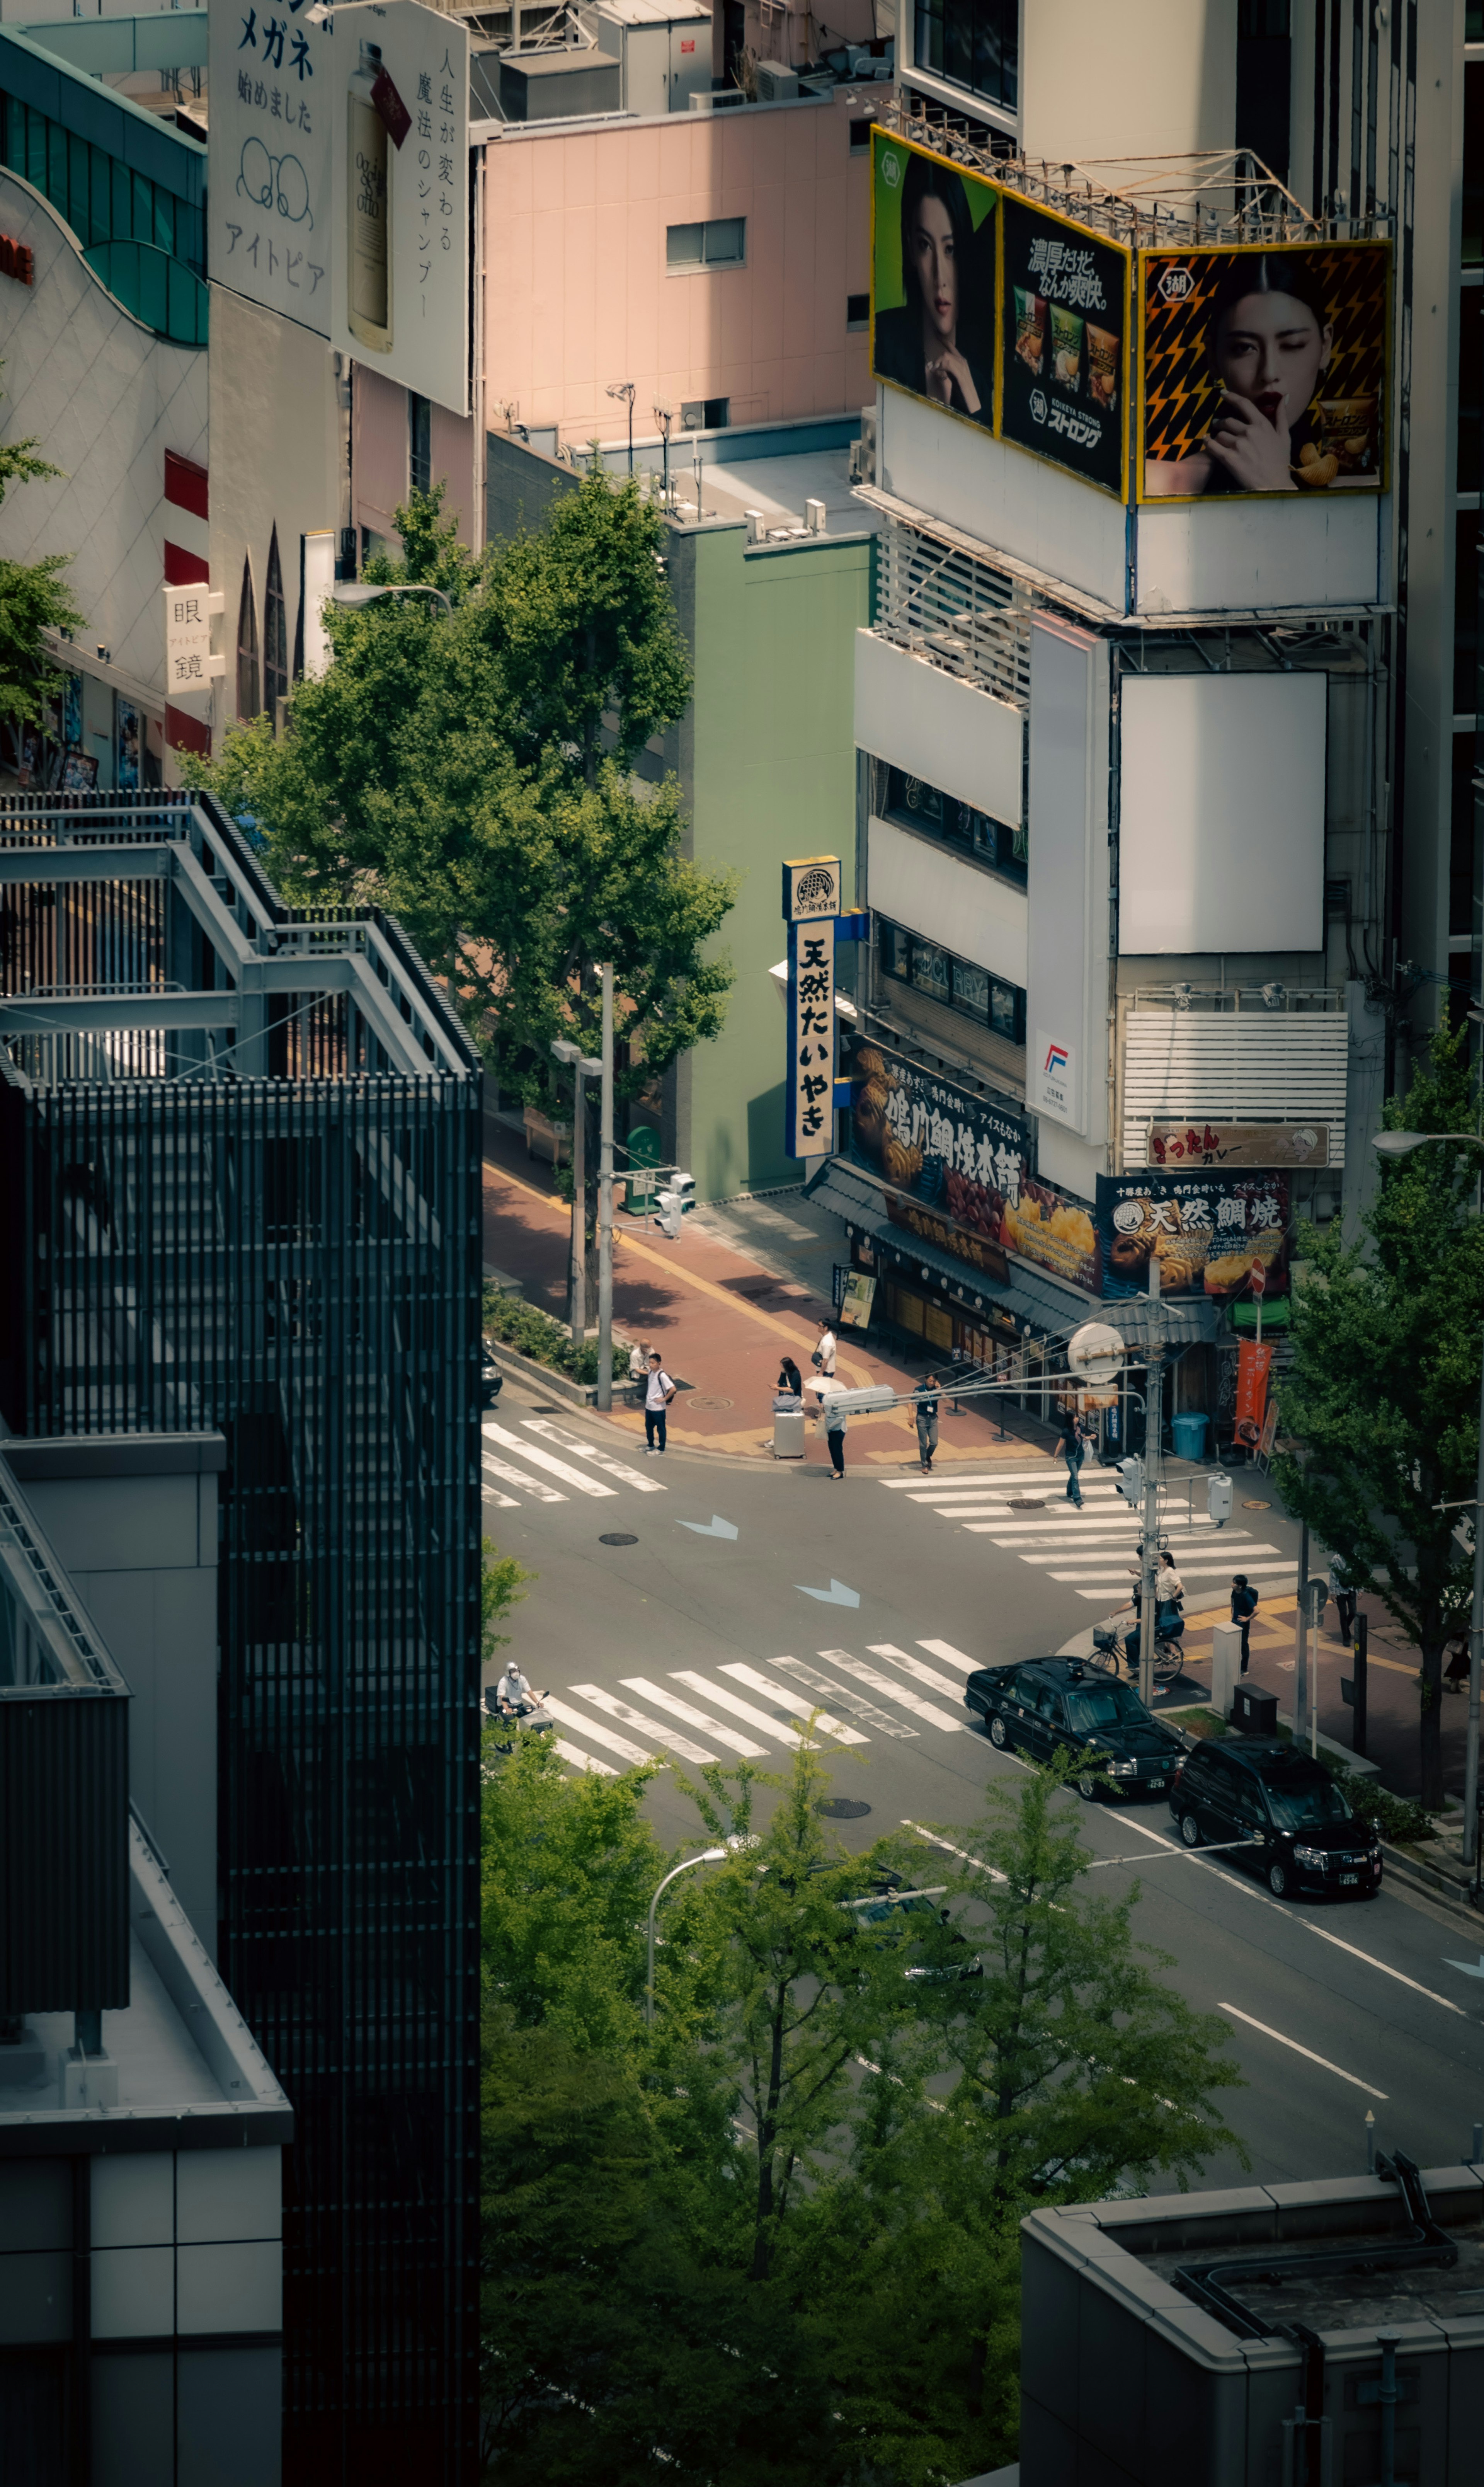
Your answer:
<point x="535" y="1487"/>
<point x="1307" y="2052"/>
<point x="1309" y="1928"/>
<point x="879" y="1683"/>
<point x="544" y="1460"/>
<point x="627" y="1717"/>
<point x="759" y="1683"/>
<point x="823" y="1686"/>
<point x="723" y="1699"/>
<point x="719" y="1735"/>
<point x="935" y="1839"/>
<point x="593" y="1452"/>
<point x="584" y="1761"/>
<point x="914" y="1667"/>
<point x="589" y="1727"/>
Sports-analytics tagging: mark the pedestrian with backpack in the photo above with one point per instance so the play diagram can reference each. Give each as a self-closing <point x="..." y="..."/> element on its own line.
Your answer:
<point x="659" y="1392"/>
<point x="1244" y="1607"/>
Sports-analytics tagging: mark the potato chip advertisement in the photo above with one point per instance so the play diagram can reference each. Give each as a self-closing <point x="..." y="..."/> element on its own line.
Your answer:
<point x="1264" y="370"/>
<point x="933" y="279"/>
<point x="1204" y="1230"/>
<point x="1064" y="344"/>
<point x="954" y="1168"/>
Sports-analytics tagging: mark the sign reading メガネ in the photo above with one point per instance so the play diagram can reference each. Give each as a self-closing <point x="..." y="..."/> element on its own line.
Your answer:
<point x="1204" y="1230"/>
<point x="400" y="182"/>
<point x="1064" y="343"/>
<point x="1264" y="369"/>
<point x="1203" y="1143"/>
<point x="272" y="83"/>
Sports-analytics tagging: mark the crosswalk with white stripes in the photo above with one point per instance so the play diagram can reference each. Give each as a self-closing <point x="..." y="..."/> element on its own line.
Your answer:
<point x="699" y="1715"/>
<point x="1090" y="1549"/>
<point x="540" y="1462"/>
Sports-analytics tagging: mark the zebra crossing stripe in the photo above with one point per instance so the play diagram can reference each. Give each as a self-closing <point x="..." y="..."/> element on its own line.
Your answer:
<point x="977" y="1476"/>
<point x="533" y="1486"/>
<point x="631" y="1718"/>
<point x="572" y="1476"/>
<point x="501" y="1501"/>
<point x="581" y="1761"/>
<point x="599" y="1735"/>
<point x="847" y="1700"/>
<point x="914" y="1667"/>
<point x="759" y="1683"/>
<point x="950" y="1656"/>
<point x="598" y="1457"/>
<point x="744" y="1710"/>
<point x="719" y="1735"/>
<point x="879" y="1683"/>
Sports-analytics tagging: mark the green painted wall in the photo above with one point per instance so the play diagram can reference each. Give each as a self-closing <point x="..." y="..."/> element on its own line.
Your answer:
<point x="767" y="755"/>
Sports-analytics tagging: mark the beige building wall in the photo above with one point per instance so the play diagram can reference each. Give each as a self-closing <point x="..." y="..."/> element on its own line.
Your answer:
<point x="380" y="448"/>
<point x="578" y="293"/>
<point x="1147" y="77"/>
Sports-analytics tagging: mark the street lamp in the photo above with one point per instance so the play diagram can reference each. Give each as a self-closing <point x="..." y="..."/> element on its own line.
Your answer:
<point x="1400" y="1144"/>
<point x="708" y="1856"/>
<point x="582" y="1066"/>
<point x="664" y="416"/>
<point x="365" y="590"/>
<point x="625" y="390"/>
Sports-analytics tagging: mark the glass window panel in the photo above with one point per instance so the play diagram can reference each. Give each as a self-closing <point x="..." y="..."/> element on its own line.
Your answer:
<point x="1003" y="1012"/>
<point x="55" y="183"/>
<point x="1466" y="612"/>
<point x="930" y="970"/>
<point x="1471" y="384"/>
<point x="970" y="990"/>
<point x="896" y="957"/>
<point x="724" y="240"/>
<point x="118" y="200"/>
<point x="1473" y="163"/>
<point x="682" y="245"/>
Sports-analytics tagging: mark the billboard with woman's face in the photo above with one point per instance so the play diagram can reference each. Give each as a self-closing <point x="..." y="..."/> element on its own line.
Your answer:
<point x="933" y="279"/>
<point x="1264" y="370"/>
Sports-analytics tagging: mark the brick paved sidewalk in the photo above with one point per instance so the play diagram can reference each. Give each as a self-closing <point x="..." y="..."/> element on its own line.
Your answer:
<point x="721" y="1322"/>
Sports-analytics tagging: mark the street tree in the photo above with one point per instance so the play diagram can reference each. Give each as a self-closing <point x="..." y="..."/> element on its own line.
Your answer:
<point x="1382" y="1403"/>
<point x="34" y="596"/>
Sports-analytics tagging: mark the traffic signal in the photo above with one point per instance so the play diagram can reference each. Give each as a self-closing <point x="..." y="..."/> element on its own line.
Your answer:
<point x="674" y="1201"/>
<point x="1131" y="1481"/>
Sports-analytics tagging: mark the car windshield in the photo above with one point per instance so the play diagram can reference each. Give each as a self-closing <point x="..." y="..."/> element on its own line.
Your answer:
<point x="1106" y="1705"/>
<point x="1303" y="1804"/>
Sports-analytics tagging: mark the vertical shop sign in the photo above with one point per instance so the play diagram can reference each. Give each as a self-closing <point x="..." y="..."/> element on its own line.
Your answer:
<point x="1254" y="1365"/>
<point x="811" y="904"/>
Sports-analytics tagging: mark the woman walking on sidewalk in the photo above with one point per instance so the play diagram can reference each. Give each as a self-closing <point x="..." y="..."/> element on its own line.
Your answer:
<point x="926" y="1396"/>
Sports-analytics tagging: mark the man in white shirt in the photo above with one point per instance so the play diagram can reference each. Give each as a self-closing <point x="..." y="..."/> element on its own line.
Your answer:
<point x="824" y="1358"/>
<point x="659" y="1392"/>
<point x="512" y="1694"/>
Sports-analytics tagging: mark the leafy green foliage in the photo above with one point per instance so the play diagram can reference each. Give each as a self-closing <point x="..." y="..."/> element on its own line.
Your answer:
<point x="456" y="769"/>
<point x="34" y="597"/>
<point x="534" y="1333"/>
<point x="502" y="1583"/>
<point x="1395" y="1817"/>
<point x="1383" y="1395"/>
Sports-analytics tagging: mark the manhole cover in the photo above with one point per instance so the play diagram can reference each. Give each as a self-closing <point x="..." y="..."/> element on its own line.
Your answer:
<point x="545" y="1411"/>
<point x="1252" y="1504"/>
<point x="617" y="1537"/>
<point x="1025" y="1502"/>
<point x="841" y="1808"/>
<point x="700" y="1402"/>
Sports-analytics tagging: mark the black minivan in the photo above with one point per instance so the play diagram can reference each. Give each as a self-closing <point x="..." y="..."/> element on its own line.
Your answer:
<point x="1299" y="1832"/>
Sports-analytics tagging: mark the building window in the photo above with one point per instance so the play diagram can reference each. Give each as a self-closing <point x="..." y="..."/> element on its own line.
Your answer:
<point x="275" y="636"/>
<point x="1474" y="164"/>
<point x="249" y="702"/>
<point x="914" y="804"/>
<point x="705" y="413"/>
<point x="858" y="310"/>
<point x="419" y="443"/>
<point x="955" y="983"/>
<point x="860" y="135"/>
<point x="973" y="44"/>
<point x="102" y="198"/>
<point x="720" y="243"/>
<point x="1471" y="384"/>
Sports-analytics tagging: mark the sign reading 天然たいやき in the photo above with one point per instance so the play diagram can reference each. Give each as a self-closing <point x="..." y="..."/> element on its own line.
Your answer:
<point x="811" y="904"/>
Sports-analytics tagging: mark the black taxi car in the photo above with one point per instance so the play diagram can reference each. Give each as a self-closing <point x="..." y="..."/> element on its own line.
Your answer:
<point x="1279" y="1814"/>
<point x="1049" y="1705"/>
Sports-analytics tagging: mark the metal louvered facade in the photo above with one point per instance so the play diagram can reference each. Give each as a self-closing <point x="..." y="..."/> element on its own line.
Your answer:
<point x="1250" y="1065"/>
<point x="292" y="1258"/>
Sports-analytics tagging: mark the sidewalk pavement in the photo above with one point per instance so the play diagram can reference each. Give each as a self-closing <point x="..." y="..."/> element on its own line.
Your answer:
<point x="723" y="1319"/>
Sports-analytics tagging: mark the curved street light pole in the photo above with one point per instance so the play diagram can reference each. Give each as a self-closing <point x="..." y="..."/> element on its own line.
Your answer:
<point x="366" y="591"/>
<point x="1400" y="1144"/>
<point x="708" y="1856"/>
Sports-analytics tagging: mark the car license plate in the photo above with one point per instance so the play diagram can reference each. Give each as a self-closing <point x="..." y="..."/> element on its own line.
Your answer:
<point x="1156" y="1783"/>
<point x="1350" y="1878"/>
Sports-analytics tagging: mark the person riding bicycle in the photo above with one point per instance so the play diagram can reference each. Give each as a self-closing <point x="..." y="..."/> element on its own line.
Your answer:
<point x="1169" y="1599"/>
<point x="512" y="1694"/>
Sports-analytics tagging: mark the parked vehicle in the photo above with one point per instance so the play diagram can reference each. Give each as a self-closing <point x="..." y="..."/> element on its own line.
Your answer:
<point x="1279" y="1814"/>
<point x="912" y="1917"/>
<point x="1049" y="1705"/>
<point x="492" y="1380"/>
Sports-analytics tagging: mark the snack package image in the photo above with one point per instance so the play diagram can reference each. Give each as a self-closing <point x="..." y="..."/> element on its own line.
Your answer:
<point x="1264" y="370"/>
<point x="1066" y="287"/>
<point x="933" y="278"/>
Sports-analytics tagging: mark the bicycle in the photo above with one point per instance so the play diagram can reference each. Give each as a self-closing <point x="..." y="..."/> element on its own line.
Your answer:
<point x="1110" y="1649"/>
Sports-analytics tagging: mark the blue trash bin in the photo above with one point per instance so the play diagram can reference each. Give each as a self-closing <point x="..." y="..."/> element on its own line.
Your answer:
<point x="1189" y="1431"/>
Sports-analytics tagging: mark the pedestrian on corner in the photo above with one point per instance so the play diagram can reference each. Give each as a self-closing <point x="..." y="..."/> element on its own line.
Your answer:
<point x="832" y="1421"/>
<point x="1244" y="1607"/>
<point x="926" y="1395"/>
<point x="824" y="1358"/>
<point x="1344" y="1596"/>
<point x="659" y="1392"/>
<point x="638" y="1369"/>
<point x="1070" y="1446"/>
<point x="1455" y="1677"/>
<point x="790" y="1377"/>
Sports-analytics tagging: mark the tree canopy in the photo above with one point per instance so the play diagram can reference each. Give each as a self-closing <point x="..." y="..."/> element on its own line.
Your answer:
<point x="34" y="596"/>
<point x="472" y="772"/>
<point x="1382" y="1400"/>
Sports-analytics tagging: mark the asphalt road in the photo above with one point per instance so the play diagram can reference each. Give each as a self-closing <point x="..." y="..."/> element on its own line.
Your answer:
<point x="701" y="1632"/>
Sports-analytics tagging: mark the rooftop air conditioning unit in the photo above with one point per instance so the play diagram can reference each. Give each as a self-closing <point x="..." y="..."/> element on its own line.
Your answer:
<point x="776" y="82"/>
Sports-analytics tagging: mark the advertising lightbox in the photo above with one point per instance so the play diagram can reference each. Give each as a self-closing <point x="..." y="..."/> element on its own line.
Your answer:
<point x="272" y="84"/>
<point x="1265" y="369"/>
<point x="1064" y="344"/>
<point x="933" y="278"/>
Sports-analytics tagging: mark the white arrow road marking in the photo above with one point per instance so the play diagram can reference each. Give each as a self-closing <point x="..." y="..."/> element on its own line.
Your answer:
<point x="716" y="1527"/>
<point x="591" y="1451"/>
<point x="664" y="1700"/>
<point x="784" y="1693"/>
<point x="759" y="1719"/>
<point x="544" y="1460"/>
<point x="534" y="1486"/>
<point x="836" y="1594"/>
<point x="1306" y="2052"/>
<point x="879" y="1683"/>
<point x="627" y="1718"/>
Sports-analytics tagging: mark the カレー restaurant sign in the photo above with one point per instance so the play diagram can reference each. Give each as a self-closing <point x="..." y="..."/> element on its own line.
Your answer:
<point x="1197" y="1142"/>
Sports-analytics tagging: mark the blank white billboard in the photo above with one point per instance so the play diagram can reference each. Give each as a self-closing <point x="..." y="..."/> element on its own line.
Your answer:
<point x="1221" y="813"/>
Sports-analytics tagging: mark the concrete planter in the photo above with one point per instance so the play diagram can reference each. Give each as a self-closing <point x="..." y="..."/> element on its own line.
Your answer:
<point x="542" y="1376"/>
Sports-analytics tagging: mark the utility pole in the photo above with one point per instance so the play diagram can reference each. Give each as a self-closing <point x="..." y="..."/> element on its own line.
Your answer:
<point x="605" y="1204"/>
<point x="1154" y="1421"/>
<point x="577" y="1313"/>
<point x="1475" y="1660"/>
<point x="1302" y="1646"/>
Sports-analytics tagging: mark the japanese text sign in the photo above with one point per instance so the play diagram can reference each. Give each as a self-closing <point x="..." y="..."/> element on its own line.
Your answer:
<point x="1063" y="344"/>
<point x="273" y="79"/>
<point x="1254" y="1364"/>
<point x="811" y="888"/>
<point x="1204" y="1230"/>
<point x="187" y="639"/>
<point x="1199" y="1142"/>
<point x="809" y="1089"/>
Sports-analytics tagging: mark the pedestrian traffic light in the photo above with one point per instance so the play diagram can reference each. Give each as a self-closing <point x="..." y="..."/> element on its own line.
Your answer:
<point x="674" y="1201"/>
<point x="1218" y="1499"/>
<point x="1131" y="1481"/>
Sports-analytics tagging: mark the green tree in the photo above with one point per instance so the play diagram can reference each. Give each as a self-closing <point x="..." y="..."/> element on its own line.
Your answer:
<point x="1382" y="1399"/>
<point x="34" y="597"/>
<point x="502" y="1583"/>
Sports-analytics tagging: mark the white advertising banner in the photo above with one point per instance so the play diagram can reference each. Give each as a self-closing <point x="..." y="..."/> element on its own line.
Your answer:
<point x="1066" y="1008"/>
<point x="400" y="185"/>
<point x="272" y="88"/>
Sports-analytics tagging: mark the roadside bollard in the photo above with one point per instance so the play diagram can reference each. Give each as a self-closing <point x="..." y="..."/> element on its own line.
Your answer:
<point x="1370" y="2141"/>
<point x="1477" y="2152"/>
